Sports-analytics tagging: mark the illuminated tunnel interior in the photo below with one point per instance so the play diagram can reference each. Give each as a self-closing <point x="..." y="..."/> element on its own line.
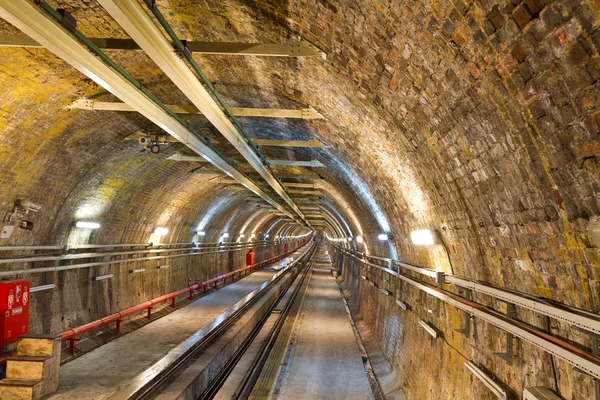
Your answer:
<point x="442" y="156"/>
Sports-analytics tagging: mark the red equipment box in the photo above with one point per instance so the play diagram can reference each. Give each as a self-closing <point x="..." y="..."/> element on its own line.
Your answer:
<point x="14" y="310"/>
<point x="250" y="258"/>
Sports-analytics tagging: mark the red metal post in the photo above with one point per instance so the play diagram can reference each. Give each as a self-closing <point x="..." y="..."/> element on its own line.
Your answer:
<point x="119" y="325"/>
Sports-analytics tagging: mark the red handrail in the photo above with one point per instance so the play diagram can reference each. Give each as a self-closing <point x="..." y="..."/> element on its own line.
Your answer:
<point x="117" y="317"/>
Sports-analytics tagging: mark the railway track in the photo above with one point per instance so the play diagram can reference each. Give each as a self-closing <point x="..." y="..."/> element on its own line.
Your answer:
<point x="172" y="372"/>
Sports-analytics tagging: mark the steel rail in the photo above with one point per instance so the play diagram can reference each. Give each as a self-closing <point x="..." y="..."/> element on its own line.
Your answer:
<point x="45" y="25"/>
<point x="68" y="247"/>
<point x="77" y="256"/>
<point x="148" y="35"/>
<point x="72" y="333"/>
<point x="583" y="319"/>
<point x="582" y="360"/>
<point x="96" y="264"/>
<point x="223" y="375"/>
<point x="147" y="382"/>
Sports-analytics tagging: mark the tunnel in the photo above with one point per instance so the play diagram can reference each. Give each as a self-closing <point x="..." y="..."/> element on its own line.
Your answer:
<point x="300" y="199"/>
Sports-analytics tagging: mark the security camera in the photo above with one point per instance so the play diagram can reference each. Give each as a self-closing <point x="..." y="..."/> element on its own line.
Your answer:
<point x="144" y="141"/>
<point x="28" y="205"/>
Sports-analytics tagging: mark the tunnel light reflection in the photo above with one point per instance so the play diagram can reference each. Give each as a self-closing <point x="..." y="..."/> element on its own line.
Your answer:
<point x="201" y="233"/>
<point x="422" y="237"/>
<point x="161" y="231"/>
<point x="383" y="237"/>
<point x="87" y="225"/>
<point x="359" y="239"/>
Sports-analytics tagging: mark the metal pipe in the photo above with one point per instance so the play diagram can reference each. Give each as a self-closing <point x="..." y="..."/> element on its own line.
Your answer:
<point x="72" y="333"/>
<point x="96" y="264"/>
<point x="584" y="361"/>
<point x="141" y="28"/>
<point x="43" y="24"/>
<point x="571" y="315"/>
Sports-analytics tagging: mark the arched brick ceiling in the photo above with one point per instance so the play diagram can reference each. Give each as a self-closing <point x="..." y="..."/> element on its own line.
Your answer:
<point x="478" y="119"/>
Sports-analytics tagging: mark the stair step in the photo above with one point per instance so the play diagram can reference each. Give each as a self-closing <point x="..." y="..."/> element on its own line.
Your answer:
<point x="19" y="382"/>
<point x="35" y="346"/>
<point x="25" y="357"/>
<point x="26" y="367"/>
<point x="20" y="389"/>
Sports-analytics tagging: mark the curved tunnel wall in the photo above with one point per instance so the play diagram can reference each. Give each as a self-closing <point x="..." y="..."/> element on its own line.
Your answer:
<point x="477" y="119"/>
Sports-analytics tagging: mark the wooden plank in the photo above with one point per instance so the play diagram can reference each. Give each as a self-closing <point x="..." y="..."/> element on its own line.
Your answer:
<point x="292" y="49"/>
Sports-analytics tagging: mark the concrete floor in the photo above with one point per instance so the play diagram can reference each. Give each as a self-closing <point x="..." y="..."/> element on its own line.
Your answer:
<point x="326" y="362"/>
<point x="98" y="374"/>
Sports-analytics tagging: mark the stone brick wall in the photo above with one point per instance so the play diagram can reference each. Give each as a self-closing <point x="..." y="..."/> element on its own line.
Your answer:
<point x="475" y="118"/>
<point x="434" y="368"/>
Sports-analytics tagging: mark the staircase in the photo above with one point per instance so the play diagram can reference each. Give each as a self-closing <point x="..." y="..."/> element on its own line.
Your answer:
<point x="33" y="372"/>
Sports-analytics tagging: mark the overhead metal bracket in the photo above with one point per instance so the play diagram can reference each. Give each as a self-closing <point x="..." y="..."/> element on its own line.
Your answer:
<point x="466" y="329"/>
<point x="305" y="113"/>
<point x="299" y="48"/>
<point x="507" y="356"/>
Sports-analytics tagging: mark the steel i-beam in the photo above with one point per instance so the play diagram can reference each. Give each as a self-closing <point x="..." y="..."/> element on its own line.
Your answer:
<point x="292" y="49"/>
<point x="148" y="35"/>
<point x="39" y="25"/>
<point x="305" y="113"/>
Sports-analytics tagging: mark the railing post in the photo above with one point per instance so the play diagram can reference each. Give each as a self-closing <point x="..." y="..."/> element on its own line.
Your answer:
<point x="119" y="325"/>
<point x="173" y="302"/>
<point x="72" y="345"/>
<point x="150" y="312"/>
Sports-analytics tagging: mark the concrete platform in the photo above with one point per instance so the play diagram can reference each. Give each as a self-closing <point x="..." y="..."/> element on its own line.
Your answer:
<point x="99" y="373"/>
<point x="326" y="362"/>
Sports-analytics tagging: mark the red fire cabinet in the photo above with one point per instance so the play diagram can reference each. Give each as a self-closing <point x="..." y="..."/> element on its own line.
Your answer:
<point x="14" y="309"/>
<point x="250" y="258"/>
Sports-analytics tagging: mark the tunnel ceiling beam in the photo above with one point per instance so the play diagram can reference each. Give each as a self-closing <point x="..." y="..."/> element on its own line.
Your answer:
<point x="293" y="163"/>
<point x="308" y="186"/>
<point x="306" y="113"/>
<point x="299" y="48"/>
<point x="280" y="142"/>
<point x="280" y="175"/>
<point x="138" y="24"/>
<point x="38" y="24"/>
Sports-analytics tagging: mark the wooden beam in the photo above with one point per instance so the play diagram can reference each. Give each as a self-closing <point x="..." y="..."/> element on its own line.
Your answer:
<point x="279" y="143"/>
<point x="293" y="176"/>
<point x="315" y="192"/>
<point x="297" y="163"/>
<point x="305" y="113"/>
<point x="312" y="163"/>
<point x="293" y="49"/>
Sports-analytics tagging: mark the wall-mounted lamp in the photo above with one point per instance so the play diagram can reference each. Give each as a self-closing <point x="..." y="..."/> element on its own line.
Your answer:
<point x="487" y="380"/>
<point x="429" y="328"/>
<point x="87" y="225"/>
<point x="42" y="287"/>
<point x="160" y="231"/>
<point x="383" y="237"/>
<point x="102" y="277"/>
<point x="423" y="237"/>
<point x="201" y="233"/>
<point x="359" y="239"/>
<point x="225" y="235"/>
<point x="593" y="229"/>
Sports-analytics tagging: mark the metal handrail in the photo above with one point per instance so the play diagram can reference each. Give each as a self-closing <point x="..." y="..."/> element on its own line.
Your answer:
<point x="71" y="334"/>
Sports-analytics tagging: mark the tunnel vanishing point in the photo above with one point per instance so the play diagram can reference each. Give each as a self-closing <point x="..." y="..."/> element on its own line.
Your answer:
<point x="300" y="199"/>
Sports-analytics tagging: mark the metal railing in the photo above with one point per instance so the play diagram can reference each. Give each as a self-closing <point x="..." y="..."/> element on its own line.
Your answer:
<point x="584" y="361"/>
